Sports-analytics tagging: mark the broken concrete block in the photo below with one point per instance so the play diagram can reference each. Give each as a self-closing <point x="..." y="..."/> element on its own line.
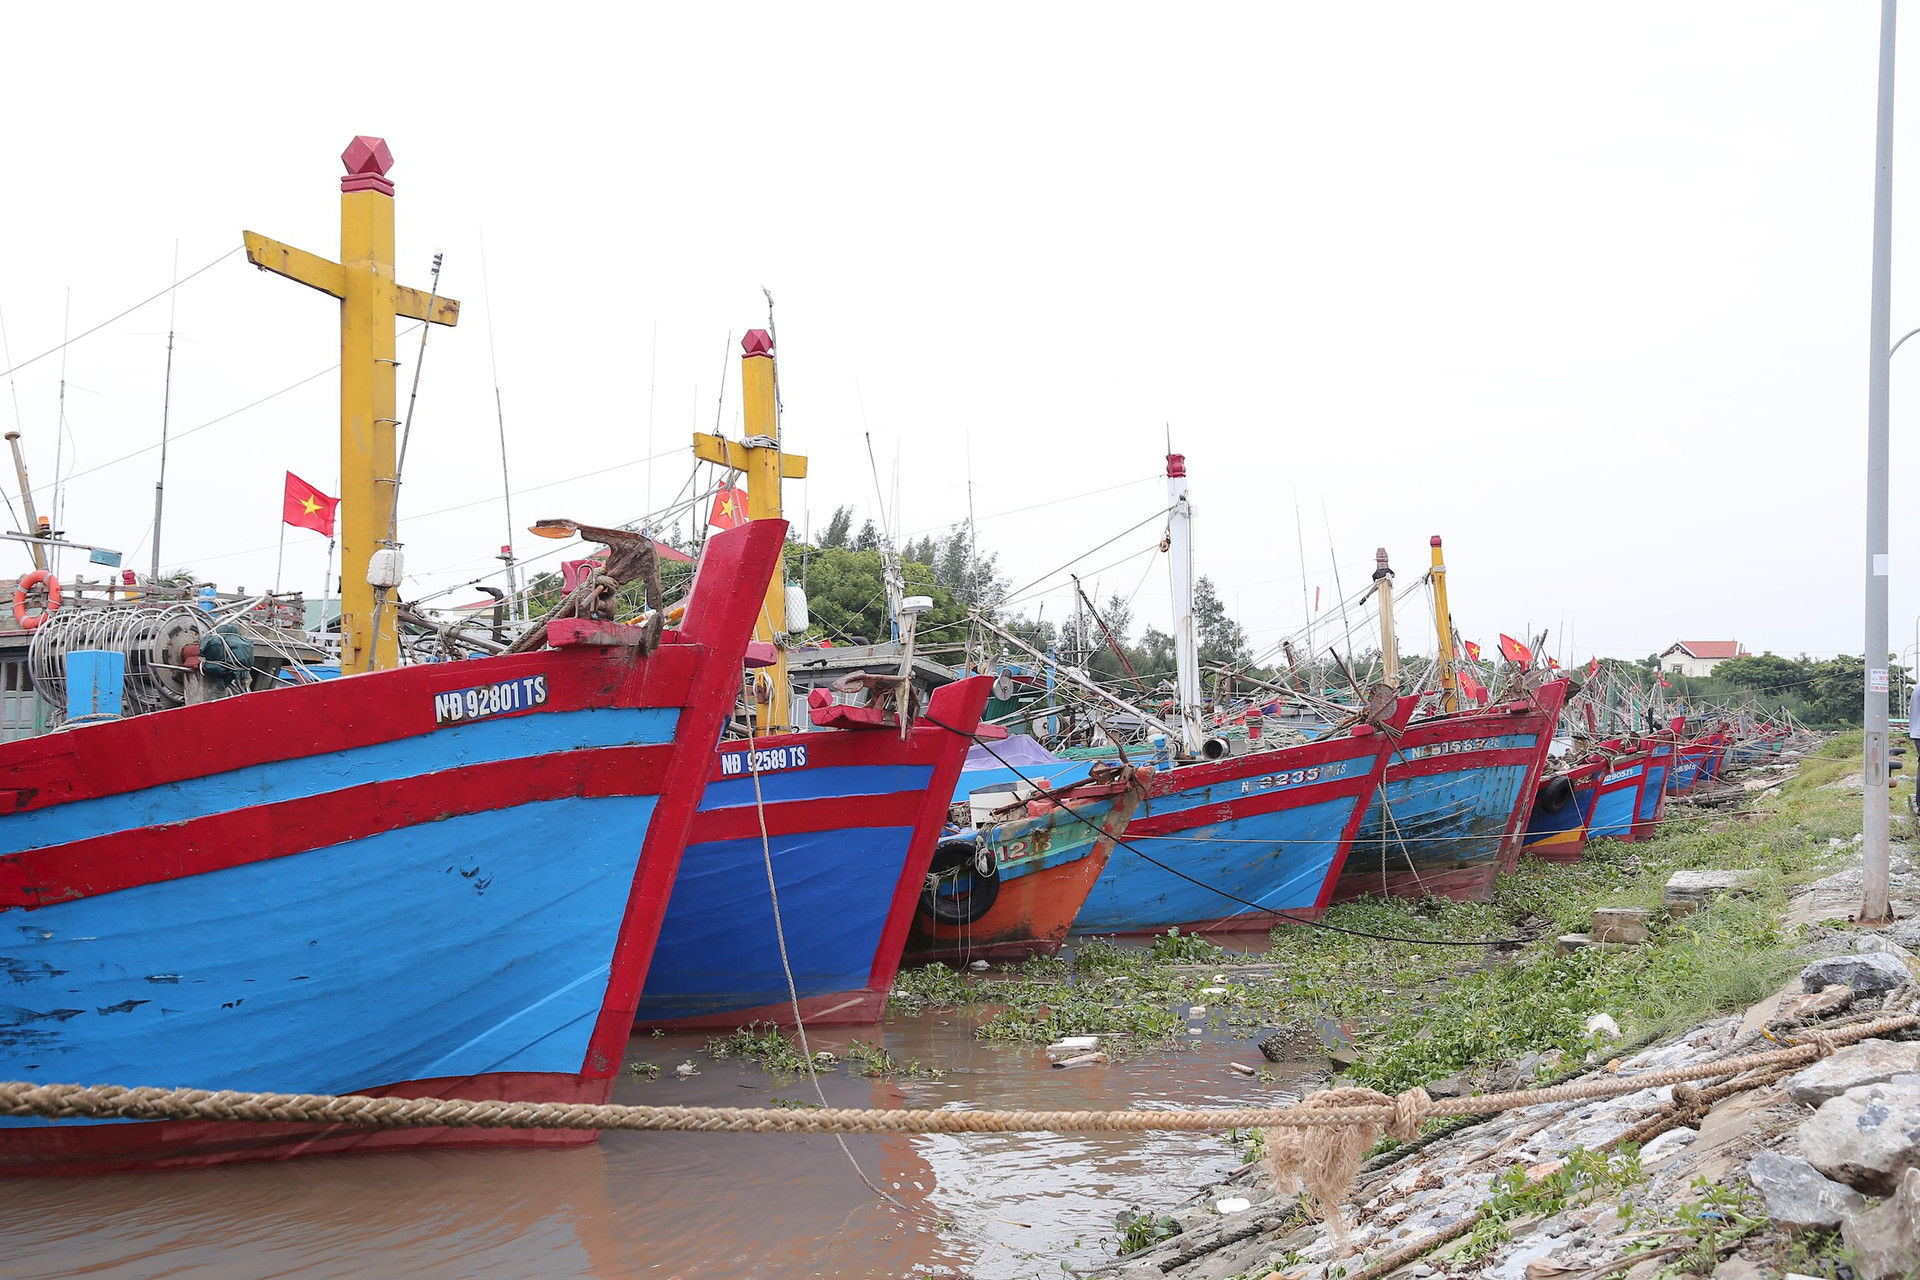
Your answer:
<point x="1867" y="1137"/>
<point x="1798" y="1196"/>
<point x="1621" y="924"/>
<point x="1885" y="1240"/>
<point x="1688" y="891"/>
<point x="1869" y="1062"/>
<point x="1869" y="974"/>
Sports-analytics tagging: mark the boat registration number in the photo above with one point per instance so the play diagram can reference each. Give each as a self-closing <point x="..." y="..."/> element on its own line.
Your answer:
<point x="1468" y="746"/>
<point x="1296" y="777"/>
<point x="1622" y="774"/>
<point x="765" y="760"/>
<point x="461" y="705"/>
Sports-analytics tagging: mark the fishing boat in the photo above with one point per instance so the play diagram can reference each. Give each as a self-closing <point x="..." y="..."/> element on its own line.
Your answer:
<point x="1617" y="799"/>
<point x="842" y="818"/>
<point x="1245" y="841"/>
<point x="1452" y="806"/>
<point x="1653" y="792"/>
<point x="1012" y="888"/>
<point x="1558" y="823"/>
<point x="1688" y="765"/>
<point x="845" y="820"/>
<point x="438" y="880"/>
<point x="1240" y="837"/>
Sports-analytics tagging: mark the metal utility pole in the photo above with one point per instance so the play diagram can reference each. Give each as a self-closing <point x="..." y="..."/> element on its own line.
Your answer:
<point x="1874" y="771"/>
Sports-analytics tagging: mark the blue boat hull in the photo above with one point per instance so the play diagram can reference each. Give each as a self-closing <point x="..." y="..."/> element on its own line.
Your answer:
<point x="1613" y="811"/>
<point x="852" y="818"/>
<point x="1241" y="839"/>
<point x="485" y="948"/>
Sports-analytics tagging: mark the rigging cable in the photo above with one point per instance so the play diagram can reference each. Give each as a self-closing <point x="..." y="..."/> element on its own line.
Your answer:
<point x="129" y="311"/>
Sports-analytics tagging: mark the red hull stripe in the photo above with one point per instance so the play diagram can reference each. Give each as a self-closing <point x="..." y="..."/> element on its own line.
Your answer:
<point x="316" y="720"/>
<point x="1360" y="784"/>
<point x="62" y="873"/>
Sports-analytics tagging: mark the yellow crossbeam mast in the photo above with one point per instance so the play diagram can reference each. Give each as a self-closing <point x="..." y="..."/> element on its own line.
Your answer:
<point x="760" y="458"/>
<point x="1443" y="620"/>
<point x="370" y="299"/>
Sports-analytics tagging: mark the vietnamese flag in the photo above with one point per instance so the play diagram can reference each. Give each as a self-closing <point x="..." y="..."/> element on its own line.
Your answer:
<point x="1516" y="653"/>
<point x="1474" y="690"/>
<point x="305" y="507"/>
<point x="1553" y="664"/>
<point x="1593" y="668"/>
<point x="729" y="507"/>
<point x="1473" y="651"/>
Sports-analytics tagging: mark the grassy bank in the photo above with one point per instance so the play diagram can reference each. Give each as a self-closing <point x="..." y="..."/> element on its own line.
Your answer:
<point x="1419" y="1010"/>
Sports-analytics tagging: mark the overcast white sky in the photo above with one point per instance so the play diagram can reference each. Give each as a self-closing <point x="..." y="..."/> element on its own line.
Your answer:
<point x="1581" y="288"/>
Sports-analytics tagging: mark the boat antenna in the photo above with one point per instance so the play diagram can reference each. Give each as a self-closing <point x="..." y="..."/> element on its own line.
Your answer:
<point x="1338" y="591"/>
<point x="720" y="401"/>
<point x="518" y="606"/>
<point x="60" y="428"/>
<point x="1300" y="540"/>
<point x="406" y="433"/>
<point x="653" y="380"/>
<point x="166" y="407"/>
<point x="6" y="351"/>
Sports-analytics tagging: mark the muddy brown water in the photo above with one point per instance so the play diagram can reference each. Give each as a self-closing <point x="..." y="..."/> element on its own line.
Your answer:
<point x="716" y="1206"/>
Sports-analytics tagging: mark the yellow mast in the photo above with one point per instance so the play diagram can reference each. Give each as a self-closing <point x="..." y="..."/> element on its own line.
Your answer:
<point x="760" y="459"/>
<point x="369" y="301"/>
<point x="1449" y="679"/>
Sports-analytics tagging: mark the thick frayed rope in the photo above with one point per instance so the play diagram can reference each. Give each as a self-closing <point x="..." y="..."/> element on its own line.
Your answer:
<point x="1330" y="1108"/>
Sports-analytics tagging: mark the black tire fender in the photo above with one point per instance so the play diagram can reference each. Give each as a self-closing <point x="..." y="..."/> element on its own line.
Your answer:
<point x="963" y="882"/>
<point x="1556" y="795"/>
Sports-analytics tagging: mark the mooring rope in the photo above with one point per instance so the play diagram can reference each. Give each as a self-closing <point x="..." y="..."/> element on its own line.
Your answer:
<point x="1400" y="1114"/>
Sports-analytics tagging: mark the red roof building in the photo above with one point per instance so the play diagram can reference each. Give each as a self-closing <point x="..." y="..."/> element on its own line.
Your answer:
<point x="1698" y="657"/>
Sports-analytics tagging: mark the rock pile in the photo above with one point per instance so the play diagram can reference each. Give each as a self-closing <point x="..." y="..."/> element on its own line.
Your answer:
<point x="1834" y="1145"/>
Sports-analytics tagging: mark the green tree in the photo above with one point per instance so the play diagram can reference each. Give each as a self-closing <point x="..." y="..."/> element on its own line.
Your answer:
<point x="838" y="526"/>
<point x="1223" y="642"/>
<point x="868" y="539"/>
<point x="847" y="594"/>
<point x="1762" y="673"/>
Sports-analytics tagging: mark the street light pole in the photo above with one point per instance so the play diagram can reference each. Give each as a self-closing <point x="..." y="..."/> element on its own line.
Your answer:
<point x="1876" y="818"/>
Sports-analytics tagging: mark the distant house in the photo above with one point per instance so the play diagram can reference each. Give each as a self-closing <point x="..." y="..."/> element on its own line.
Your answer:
<point x="1698" y="657"/>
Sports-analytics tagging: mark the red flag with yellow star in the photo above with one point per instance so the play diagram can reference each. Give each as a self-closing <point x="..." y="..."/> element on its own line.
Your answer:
<point x="729" y="507"/>
<point x="306" y="507"/>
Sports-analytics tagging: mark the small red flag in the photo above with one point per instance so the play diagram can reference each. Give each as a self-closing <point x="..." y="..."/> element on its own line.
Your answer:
<point x="1516" y="652"/>
<point x="1665" y="683"/>
<point x="1474" y="690"/>
<point x="1593" y="668"/>
<point x="305" y="507"/>
<point x="729" y="507"/>
<point x="1553" y="663"/>
<point x="1473" y="651"/>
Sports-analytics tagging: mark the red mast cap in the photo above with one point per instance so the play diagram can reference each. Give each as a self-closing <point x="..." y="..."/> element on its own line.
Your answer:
<point x="1176" y="465"/>
<point x="367" y="160"/>
<point x="758" y="342"/>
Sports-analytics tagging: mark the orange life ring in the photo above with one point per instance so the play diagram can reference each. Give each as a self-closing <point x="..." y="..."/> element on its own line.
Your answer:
<point x="22" y="618"/>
